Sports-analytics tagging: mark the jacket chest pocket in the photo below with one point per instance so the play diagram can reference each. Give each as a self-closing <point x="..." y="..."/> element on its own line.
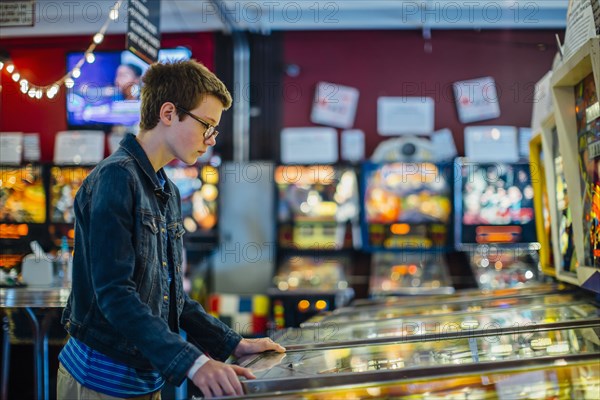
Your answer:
<point x="149" y="238"/>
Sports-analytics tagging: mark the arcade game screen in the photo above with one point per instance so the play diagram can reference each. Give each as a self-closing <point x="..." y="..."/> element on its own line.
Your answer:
<point x="568" y="262"/>
<point x="496" y="204"/>
<point x="405" y="273"/>
<point x="22" y="214"/>
<point x="64" y="184"/>
<point x="316" y="205"/>
<point x="197" y="186"/>
<point x="406" y="205"/>
<point x="318" y="273"/>
<point x="22" y="195"/>
<point x="587" y="110"/>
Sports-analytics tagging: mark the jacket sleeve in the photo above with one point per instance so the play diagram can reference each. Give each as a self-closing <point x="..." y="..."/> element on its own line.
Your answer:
<point x="112" y="223"/>
<point x="212" y="335"/>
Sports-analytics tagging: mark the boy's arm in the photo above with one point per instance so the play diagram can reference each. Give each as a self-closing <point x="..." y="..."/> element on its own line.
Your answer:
<point x="112" y="258"/>
<point x="208" y="332"/>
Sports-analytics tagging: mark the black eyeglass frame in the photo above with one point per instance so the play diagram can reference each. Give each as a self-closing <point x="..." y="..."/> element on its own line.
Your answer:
<point x="211" y="130"/>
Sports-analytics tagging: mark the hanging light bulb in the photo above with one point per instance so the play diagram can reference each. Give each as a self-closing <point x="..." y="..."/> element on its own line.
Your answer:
<point x="114" y="14"/>
<point x="23" y="89"/>
<point x="10" y="68"/>
<point x="31" y="93"/>
<point x="98" y="38"/>
<point x="1" y="65"/>
<point x="69" y="82"/>
<point x="24" y="85"/>
<point x="90" y="57"/>
<point x="38" y="94"/>
<point x="16" y="76"/>
<point x="76" y="73"/>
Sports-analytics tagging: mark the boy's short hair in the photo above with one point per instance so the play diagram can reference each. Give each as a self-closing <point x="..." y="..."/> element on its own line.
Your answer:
<point x="184" y="83"/>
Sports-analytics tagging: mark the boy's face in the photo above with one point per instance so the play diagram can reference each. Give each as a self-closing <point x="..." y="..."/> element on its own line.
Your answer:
<point x="187" y="141"/>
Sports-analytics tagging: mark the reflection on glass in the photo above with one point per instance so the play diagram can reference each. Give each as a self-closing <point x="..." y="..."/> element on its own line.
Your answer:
<point x="436" y="326"/>
<point x="440" y="308"/>
<point x="527" y="344"/>
<point x="578" y="380"/>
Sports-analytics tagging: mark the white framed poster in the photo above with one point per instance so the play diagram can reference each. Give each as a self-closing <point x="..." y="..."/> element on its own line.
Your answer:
<point x="334" y="105"/>
<point x="310" y="145"/>
<point x="79" y="147"/>
<point x="11" y="147"/>
<point x="405" y="115"/>
<point x="476" y="100"/>
<point x="491" y="143"/>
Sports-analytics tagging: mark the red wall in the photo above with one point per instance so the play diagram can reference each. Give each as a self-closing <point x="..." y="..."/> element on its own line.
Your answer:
<point x="394" y="63"/>
<point x="43" y="60"/>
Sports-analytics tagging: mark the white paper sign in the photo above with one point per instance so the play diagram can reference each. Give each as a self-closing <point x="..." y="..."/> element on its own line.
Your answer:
<point x="31" y="147"/>
<point x="524" y="139"/>
<point x="405" y="115"/>
<point x="491" y="143"/>
<point x="542" y="102"/>
<point x="334" y="105"/>
<point x="353" y="145"/>
<point x="309" y="146"/>
<point x="580" y="25"/>
<point x="79" y="147"/>
<point x="476" y="100"/>
<point x="11" y="147"/>
<point x="443" y="145"/>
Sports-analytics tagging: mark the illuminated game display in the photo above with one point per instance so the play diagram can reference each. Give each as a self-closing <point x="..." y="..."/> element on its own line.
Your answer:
<point x="315" y="204"/>
<point x="22" y="195"/>
<point x="564" y="218"/>
<point x="64" y="184"/>
<point x="494" y="204"/>
<point x="406" y="205"/>
<point x="197" y="186"/>
<point x="587" y="109"/>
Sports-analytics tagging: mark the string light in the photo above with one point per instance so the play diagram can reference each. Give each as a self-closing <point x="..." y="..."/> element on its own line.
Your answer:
<point x="51" y="90"/>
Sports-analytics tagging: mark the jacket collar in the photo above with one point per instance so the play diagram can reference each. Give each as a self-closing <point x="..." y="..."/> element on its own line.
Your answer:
<point x="135" y="150"/>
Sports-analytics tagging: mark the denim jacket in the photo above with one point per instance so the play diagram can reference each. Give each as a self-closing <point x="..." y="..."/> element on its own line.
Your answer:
<point x="120" y="299"/>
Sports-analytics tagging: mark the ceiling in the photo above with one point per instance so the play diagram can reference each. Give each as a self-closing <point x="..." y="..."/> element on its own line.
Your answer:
<point x="87" y="17"/>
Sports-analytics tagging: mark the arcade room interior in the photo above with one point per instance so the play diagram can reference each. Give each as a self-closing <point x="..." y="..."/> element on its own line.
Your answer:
<point x="404" y="194"/>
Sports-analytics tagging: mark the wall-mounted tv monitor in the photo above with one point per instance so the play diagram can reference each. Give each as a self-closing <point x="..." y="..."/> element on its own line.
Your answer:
<point x="22" y="195"/>
<point x="406" y="205"/>
<point x="198" y="187"/>
<point x="494" y="203"/>
<point x="64" y="184"/>
<point x="107" y="92"/>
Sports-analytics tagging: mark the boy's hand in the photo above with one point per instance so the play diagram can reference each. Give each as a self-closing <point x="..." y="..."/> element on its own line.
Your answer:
<point x="216" y="379"/>
<point x="251" y="346"/>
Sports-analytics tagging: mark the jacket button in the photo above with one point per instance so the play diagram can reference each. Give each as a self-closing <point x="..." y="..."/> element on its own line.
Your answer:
<point x="164" y="263"/>
<point x="162" y="230"/>
<point x="166" y="298"/>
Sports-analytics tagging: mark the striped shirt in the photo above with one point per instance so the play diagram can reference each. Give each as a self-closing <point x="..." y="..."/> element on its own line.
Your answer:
<point x="102" y="374"/>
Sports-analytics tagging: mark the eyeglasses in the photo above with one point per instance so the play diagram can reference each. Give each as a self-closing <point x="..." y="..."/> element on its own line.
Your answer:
<point x="211" y="131"/>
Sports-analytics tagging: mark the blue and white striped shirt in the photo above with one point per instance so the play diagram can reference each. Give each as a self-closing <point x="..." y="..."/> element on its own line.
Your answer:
<point x="102" y="374"/>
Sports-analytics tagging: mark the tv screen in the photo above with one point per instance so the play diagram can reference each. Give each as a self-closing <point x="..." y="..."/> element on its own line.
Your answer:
<point x="22" y="195"/>
<point x="197" y="186"/>
<point x="406" y="205"/>
<point x="64" y="184"/>
<point x="495" y="204"/>
<point x="107" y="92"/>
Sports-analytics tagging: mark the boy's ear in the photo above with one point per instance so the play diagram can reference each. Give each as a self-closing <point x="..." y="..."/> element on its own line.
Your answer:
<point x="167" y="113"/>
